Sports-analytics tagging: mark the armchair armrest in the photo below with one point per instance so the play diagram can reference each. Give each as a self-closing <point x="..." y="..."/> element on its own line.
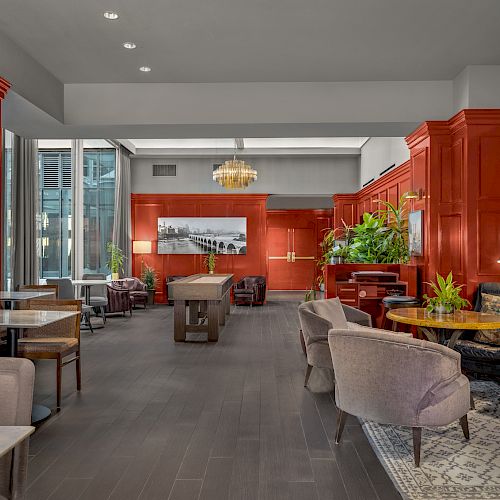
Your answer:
<point x="260" y="291"/>
<point x="356" y="316"/>
<point x="240" y="284"/>
<point x="314" y="327"/>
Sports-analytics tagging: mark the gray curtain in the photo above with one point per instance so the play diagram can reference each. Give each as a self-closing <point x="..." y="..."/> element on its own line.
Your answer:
<point x="24" y="212"/>
<point x="122" y="231"/>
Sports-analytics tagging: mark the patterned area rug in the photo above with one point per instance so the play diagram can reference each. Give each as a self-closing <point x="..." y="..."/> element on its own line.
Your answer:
<point x="451" y="468"/>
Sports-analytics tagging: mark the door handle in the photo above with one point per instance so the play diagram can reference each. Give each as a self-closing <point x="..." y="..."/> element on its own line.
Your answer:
<point x="289" y="256"/>
<point x="293" y="256"/>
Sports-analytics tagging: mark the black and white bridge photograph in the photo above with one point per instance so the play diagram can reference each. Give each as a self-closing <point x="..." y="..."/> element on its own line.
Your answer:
<point x="202" y="235"/>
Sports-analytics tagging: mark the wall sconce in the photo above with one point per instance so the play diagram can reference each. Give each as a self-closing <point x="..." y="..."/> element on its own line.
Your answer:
<point x="142" y="248"/>
<point x="411" y="195"/>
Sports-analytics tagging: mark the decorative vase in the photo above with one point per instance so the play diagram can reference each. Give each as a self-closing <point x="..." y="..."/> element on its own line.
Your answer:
<point x="151" y="296"/>
<point x="115" y="276"/>
<point x="210" y="272"/>
<point x="441" y="309"/>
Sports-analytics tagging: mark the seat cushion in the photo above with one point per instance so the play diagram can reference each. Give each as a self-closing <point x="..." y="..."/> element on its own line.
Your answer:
<point x="243" y="291"/>
<point x="476" y="350"/>
<point x="138" y="293"/>
<point x="490" y="305"/>
<point x="97" y="301"/>
<point x="331" y="310"/>
<point x="47" y="344"/>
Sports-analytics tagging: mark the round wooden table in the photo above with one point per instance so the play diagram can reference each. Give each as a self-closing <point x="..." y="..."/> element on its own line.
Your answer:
<point x="444" y="327"/>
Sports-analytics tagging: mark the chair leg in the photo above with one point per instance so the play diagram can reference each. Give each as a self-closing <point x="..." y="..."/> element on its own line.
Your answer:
<point x="308" y="374"/>
<point x="417" y="440"/>
<point x="341" y="416"/>
<point x="103" y="315"/>
<point x="465" y="425"/>
<point x="89" y="323"/>
<point x="78" y="372"/>
<point x="59" y="382"/>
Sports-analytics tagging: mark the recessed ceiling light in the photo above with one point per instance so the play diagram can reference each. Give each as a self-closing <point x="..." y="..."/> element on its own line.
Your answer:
<point x="146" y="69"/>
<point x="109" y="14"/>
<point x="129" y="45"/>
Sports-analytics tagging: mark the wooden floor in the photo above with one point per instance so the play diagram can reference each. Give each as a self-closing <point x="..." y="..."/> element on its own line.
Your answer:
<point x="158" y="420"/>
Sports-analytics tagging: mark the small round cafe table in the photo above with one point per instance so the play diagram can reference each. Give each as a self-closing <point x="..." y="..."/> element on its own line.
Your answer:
<point x="444" y="328"/>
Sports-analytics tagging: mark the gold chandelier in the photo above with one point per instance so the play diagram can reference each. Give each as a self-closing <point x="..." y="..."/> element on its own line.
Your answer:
<point x="234" y="174"/>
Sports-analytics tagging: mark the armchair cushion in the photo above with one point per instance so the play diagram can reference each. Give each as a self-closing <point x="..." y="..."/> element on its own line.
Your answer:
<point x="489" y="304"/>
<point x="331" y="310"/>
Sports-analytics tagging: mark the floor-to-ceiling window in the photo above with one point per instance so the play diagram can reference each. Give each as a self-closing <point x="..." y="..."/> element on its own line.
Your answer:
<point x="99" y="169"/>
<point x="55" y="183"/>
<point x="8" y="144"/>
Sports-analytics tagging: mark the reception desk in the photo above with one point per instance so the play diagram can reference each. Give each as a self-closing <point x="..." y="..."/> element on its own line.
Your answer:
<point x="208" y="297"/>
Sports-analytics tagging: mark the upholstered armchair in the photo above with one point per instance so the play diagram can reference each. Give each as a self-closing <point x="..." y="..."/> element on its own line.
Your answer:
<point x="17" y="378"/>
<point x="478" y="356"/>
<point x="118" y="299"/>
<point x="137" y="291"/>
<point x="250" y="290"/>
<point x="315" y="324"/>
<point x="397" y="380"/>
<point x="169" y="280"/>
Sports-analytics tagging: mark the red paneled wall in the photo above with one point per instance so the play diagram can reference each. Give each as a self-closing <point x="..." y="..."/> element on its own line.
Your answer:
<point x="454" y="167"/>
<point x="146" y="208"/>
<point x="4" y="87"/>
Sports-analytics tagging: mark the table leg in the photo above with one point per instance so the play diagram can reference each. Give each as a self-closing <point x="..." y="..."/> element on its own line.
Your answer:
<point x="222" y="312"/>
<point x="394" y="326"/>
<point x="429" y="333"/>
<point x="194" y="310"/>
<point x="87" y="295"/>
<point x="180" y="320"/>
<point x="454" y="337"/>
<point x="213" y="320"/>
<point x="12" y="338"/>
<point x="227" y="301"/>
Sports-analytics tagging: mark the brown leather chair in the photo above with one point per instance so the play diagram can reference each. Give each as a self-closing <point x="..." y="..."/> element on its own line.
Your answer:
<point x="137" y="291"/>
<point x="17" y="378"/>
<point x="55" y="341"/>
<point x="250" y="290"/>
<point x="119" y="300"/>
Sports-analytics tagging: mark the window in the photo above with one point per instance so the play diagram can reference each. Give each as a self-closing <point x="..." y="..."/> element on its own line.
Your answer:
<point x="55" y="213"/>
<point x="8" y="146"/>
<point x="99" y="169"/>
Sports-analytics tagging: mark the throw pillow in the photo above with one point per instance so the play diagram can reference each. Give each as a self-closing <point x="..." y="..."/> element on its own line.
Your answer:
<point x="491" y="305"/>
<point x="331" y="310"/>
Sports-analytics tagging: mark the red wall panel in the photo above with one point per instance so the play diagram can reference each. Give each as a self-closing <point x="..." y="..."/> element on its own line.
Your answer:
<point x="146" y="208"/>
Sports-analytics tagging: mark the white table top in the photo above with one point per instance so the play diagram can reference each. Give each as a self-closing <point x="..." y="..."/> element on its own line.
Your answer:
<point x="96" y="282"/>
<point x="210" y="279"/>
<point x="12" y="296"/>
<point x="12" y="435"/>
<point x="26" y="318"/>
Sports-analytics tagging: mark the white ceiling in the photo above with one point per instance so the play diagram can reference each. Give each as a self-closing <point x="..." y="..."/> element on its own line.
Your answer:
<point x="256" y="40"/>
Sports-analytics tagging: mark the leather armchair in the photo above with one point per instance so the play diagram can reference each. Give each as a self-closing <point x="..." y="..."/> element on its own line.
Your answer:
<point x="137" y="291"/>
<point x="394" y="379"/>
<point x="250" y="290"/>
<point x="169" y="280"/>
<point x="118" y="300"/>
<point x="480" y="357"/>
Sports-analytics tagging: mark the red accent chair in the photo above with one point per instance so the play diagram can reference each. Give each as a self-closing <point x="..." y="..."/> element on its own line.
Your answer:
<point x="137" y="291"/>
<point x="119" y="300"/>
<point x="250" y="290"/>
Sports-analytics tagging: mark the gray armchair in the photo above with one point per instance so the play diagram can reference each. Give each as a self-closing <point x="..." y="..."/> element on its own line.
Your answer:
<point x="17" y="377"/>
<point x="315" y="327"/>
<point x="393" y="379"/>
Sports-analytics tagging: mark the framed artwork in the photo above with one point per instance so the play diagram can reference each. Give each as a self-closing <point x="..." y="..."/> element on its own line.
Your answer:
<point x="202" y="235"/>
<point x="415" y="237"/>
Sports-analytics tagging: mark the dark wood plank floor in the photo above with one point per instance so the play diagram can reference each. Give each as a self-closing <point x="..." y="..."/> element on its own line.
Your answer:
<point x="158" y="420"/>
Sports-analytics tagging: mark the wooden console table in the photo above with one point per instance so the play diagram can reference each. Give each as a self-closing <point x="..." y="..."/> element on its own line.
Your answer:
<point x="208" y="297"/>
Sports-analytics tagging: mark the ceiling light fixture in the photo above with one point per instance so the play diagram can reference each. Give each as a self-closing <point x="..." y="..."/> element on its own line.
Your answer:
<point x="145" y="69"/>
<point x="234" y="174"/>
<point x="112" y="16"/>
<point x="129" y="45"/>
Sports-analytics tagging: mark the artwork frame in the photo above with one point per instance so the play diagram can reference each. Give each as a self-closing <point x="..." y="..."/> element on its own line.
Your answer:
<point x="415" y="233"/>
<point x="202" y="235"/>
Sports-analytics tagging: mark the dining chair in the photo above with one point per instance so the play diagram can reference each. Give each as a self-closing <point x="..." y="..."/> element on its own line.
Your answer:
<point x="55" y="341"/>
<point x="40" y="288"/>
<point x="66" y="291"/>
<point x="98" y="293"/>
<point x="17" y="378"/>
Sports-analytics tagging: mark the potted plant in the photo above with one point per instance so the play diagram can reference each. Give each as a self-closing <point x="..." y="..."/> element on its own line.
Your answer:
<point x="209" y="262"/>
<point x="447" y="296"/>
<point x="115" y="260"/>
<point x="150" y="278"/>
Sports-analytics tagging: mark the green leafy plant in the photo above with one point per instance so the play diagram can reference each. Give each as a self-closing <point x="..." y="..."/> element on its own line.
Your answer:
<point x="115" y="258"/>
<point x="447" y="295"/>
<point x="367" y="243"/>
<point x="310" y="294"/>
<point x="210" y="261"/>
<point x="149" y="277"/>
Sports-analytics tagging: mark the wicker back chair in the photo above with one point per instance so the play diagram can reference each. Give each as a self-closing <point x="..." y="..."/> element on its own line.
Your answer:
<point x="55" y="341"/>
<point x="40" y="288"/>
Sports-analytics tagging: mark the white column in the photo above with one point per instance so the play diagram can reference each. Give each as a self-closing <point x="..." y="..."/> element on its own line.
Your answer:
<point x="77" y="209"/>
